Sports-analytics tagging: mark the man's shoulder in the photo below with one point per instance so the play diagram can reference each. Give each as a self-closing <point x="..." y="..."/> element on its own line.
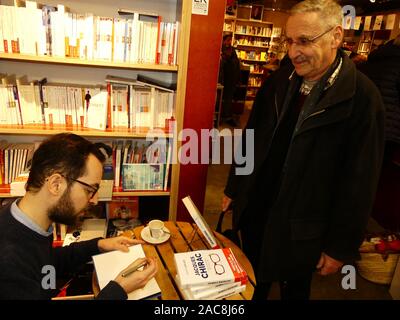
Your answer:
<point x="5" y="217"/>
<point x="366" y="86"/>
<point x="280" y="76"/>
<point x="368" y="99"/>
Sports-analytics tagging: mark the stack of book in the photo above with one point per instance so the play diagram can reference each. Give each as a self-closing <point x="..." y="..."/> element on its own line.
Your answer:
<point x="209" y="274"/>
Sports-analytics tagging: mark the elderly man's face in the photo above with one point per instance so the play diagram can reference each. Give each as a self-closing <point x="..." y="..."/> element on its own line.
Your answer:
<point x="311" y="58"/>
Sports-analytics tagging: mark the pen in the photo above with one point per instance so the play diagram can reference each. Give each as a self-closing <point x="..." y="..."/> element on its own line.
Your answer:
<point x="134" y="268"/>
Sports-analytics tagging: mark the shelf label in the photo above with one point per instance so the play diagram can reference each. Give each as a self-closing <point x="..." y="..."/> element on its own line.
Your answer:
<point x="200" y="7"/>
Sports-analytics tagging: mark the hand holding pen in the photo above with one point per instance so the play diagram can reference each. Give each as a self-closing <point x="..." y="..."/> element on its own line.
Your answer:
<point x="134" y="277"/>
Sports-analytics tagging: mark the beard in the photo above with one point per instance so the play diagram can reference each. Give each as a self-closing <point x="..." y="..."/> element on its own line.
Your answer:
<point x="64" y="211"/>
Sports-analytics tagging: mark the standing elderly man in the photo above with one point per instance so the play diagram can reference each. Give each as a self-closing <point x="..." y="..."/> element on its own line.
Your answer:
<point x="63" y="181"/>
<point x="318" y="149"/>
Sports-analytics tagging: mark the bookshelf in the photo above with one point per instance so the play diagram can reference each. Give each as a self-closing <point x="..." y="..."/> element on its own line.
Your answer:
<point x="371" y="39"/>
<point x="88" y="63"/>
<point x="256" y="41"/>
<point x="93" y="72"/>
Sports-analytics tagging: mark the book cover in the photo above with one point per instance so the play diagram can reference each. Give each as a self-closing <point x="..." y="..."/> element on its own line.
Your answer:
<point x="147" y="81"/>
<point x="107" y="180"/>
<point x="208" y="267"/>
<point x="200" y="222"/>
<point x="143" y="176"/>
<point x="108" y="265"/>
<point x="123" y="208"/>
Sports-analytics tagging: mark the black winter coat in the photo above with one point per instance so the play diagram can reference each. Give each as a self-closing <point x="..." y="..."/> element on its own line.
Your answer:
<point x="329" y="178"/>
<point x="383" y="68"/>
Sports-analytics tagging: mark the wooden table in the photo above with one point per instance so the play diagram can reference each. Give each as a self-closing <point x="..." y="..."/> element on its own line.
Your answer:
<point x="184" y="238"/>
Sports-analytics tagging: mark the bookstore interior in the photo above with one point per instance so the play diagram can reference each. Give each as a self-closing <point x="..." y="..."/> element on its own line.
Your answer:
<point x="131" y="74"/>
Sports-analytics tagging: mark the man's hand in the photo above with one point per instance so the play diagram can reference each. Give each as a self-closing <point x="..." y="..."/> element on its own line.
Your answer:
<point x="117" y="243"/>
<point x="139" y="278"/>
<point x="226" y="201"/>
<point x="328" y="265"/>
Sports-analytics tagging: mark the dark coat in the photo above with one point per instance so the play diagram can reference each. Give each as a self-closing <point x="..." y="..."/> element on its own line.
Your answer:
<point x="383" y="68"/>
<point x="329" y="178"/>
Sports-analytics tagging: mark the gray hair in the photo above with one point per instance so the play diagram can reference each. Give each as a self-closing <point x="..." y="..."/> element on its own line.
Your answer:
<point x="329" y="10"/>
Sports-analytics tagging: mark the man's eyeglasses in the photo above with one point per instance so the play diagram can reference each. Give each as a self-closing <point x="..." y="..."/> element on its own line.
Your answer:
<point x="304" y="41"/>
<point x="219" y="268"/>
<point x="91" y="190"/>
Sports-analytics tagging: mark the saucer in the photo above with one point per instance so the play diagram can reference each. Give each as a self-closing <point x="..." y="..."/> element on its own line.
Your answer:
<point x="148" y="238"/>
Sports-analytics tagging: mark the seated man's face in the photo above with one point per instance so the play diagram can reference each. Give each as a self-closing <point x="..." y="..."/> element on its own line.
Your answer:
<point x="311" y="59"/>
<point x="78" y="197"/>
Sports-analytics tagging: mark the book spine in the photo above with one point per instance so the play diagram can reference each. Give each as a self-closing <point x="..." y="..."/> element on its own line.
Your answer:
<point x="238" y="271"/>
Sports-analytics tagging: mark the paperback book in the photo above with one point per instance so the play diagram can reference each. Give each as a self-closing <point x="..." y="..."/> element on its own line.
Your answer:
<point x="217" y="292"/>
<point x="208" y="267"/>
<point x="200" y="222"/>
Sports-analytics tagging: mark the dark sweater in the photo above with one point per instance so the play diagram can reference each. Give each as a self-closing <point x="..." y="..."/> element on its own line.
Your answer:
<point x="383" y="68"/>
<point x="24" y="253"/>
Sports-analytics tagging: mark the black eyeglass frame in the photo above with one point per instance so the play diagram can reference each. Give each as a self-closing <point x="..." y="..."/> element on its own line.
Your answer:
<point x="94" y="190"/>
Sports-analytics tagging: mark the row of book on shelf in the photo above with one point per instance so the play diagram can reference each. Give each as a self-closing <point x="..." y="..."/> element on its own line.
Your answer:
<point x="141" y="165"/>
<point x="254" y="30"/>
<point x="122" y="103"/>
<point x="44" y="30"/>
<point x="135" y="164"/>
<point x="252" y="55"/>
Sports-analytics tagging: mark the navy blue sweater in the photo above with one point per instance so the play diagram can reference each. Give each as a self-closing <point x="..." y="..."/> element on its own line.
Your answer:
<point x="24" y="253"/>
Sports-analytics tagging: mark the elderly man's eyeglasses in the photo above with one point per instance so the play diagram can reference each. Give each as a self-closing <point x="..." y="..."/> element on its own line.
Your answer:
<point x="304" y="41"/>
<point x="91" y="190"/>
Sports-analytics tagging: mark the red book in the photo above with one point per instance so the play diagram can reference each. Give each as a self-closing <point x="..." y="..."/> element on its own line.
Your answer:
<point x="123" y="207"/>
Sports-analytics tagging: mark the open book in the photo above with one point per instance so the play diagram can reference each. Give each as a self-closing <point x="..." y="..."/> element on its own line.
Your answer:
<point x="200" y="222"/>
<point x="108" y="265"/>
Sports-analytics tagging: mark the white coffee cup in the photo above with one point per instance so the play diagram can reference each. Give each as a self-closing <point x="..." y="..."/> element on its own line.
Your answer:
<point x="156" y="229"/>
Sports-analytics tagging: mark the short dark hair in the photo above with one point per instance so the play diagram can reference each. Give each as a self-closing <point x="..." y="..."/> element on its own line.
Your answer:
<point x="63" y="153"/>
<point x="226" y="36"/>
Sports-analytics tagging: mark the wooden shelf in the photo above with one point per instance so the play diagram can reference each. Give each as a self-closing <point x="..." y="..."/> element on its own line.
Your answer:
<point x="252" y="46"/>
<point x="250" y="21"/>
<point x="143" y="193"/>
<point x="42" y="130"/>
<point x="251" y="35"/>
<point x="89" y="63"/>
<point x="252" y="60"/>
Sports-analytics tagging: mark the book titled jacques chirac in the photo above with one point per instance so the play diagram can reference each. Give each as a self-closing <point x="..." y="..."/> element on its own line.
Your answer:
<point x="208" y="267"/>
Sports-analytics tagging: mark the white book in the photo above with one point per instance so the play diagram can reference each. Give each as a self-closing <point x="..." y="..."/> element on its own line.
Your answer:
<point x="208" y="267"/>
<point x="225" y="291"/>
<point x="96" y="112"/>
<point x="108" y="265"/>
<point x="200" y="222"/>
<point x="210" y="291"/>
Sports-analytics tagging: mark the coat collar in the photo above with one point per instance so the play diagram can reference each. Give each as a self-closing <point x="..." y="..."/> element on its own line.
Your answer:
<point x="342" y="89"/>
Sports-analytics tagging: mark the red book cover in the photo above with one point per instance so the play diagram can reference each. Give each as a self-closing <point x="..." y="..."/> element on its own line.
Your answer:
<point x="109" y="111"/>
<point x="123" y="207"/>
